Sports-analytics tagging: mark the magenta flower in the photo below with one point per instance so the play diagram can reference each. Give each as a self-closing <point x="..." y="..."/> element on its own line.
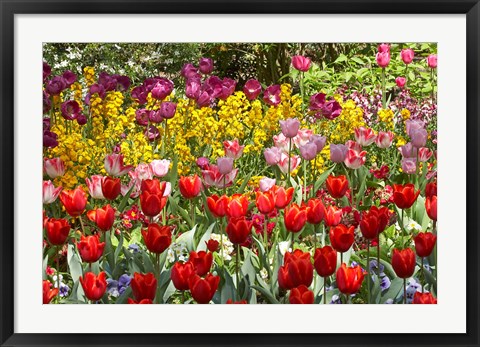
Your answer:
<point x="301" y="63"/>
<point x="317" y="101"/>
<point x="384" y="48"/>
<point x="139" y="94"/>
<point x="252" y="89"/>
<point x="203" y="163"/>
<point x="383" y="59"/>
<point x="54" y="167"/>
<point x="160" y="167"/>
<point x="70" y="109"/>
<point x="49" y="139"/>
<point x="94" y="185"/>
<point x="233" y="149"/>
<point x="228" y="87"/>
<point x="424" y="154"/>
<point x="114" y="165"/>
<point x="69" y="77"/>
<point x="407" y="55"/>
<point x="50" y="193"/>
<point x="55" y="85"/>
<point x="225" y="165"/>
<point x="384" y="139"/>
<point x="400" y="81"/>
<point x="204" y="99"/>
<point x="168" y="109"/>
<point x="338" y="153"/>
<point x="432" y="61"/>
<point x="47" y="104"/>
<point x="142" y="116"/>
<point x="355" y="159"/>
<point x="205" y="66"/>
<point x="152" y="133"/>
<point x="365" y="136"/>
<point x="81" y="119"/>
<point x="308" y="151"/>
<point x="272" y="155"/>
<point x="330" y="110"/>
<point x="188" y="71"/>
<point x="290" y="127"/>
<point x="192" y="88"/>
<point x="155" y="116"/>
<point x="47" y="70"/>
<point x="409" y="165"/>
<point x="162" y="89"/>
<point x="353" y="145"/>
<point x="271" y="95"/>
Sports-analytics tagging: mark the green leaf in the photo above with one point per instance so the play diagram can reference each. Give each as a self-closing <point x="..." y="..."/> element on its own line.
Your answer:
<point x="74" y="263"/>
<point x="228" y="290"/>
<point x="269" y="296"/>
<point x="188" y="238"/>
<point x="363" y="71"/>
<point x="244" y="183"/>
<point x="181" y="211"/>
<point x="358" y="60"/>
<point x="348" y="76"/>
<point x="342" y="57"/>
<point x="44" y="267"/>
<point x="411" y="76"/>
<point x="123" y="203"/>
<point x="206" y="236"/>
<point x="122" y="299"/>
<point x="323" y="177"/>
<point x="396" y="287"/>
<point x="119" y="247"/>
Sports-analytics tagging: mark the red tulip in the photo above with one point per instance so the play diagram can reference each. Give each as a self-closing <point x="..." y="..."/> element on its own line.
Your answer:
<point x="342" y="237"/>
<point x="238" y="230"/>
<point x="48" y="294"/>
<point x="374" y="222"/>
<point x="181" y="273"/>
<point x="333" y="216"/>
<point x="143" y="286"/>
<point x="94" y="286"/>
<point x="212" y="245"/>
<point x="157" y="238"/>
<point x="57" y="231"/>
<point x="295" y="218"/>
<point x="315" y="211"/>
<point x="265" y="202"/>
<point x="218" y="205"/>
<point x="337" y="186"/>
<point x="424" y="244"/>
<point x="424" y="298"/>
<point x="103" y="217"/>
<point x="325" y="261"/>
<point x="237" y="206"/>
<point x="301" y="295"/>
<point x="404" y="195"/>
<point x="403" y="262"/>
<point x="90" y="248"/>
<point x="349" y="279"/>
<point x="190" y="186"/>
<point x="282" y="197"/>
<point x="297" y="270"/>
<point x="431" y="189"/>
<point x="74" y="201"/>
<point x="202" y="262"/>
<point x="141" y="302"/>
<point x="111" y="187"/>
<point x="203" y="289"/>
<point x="241" y="302"/>
<point x="431" y="207"/>
<point x="152" y="200"/>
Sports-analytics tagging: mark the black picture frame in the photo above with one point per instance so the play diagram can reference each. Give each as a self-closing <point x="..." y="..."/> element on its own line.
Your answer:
<point x="8" y="9"/>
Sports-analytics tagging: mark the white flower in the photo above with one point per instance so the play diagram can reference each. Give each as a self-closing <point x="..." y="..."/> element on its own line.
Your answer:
<point x="170" y="255"/>
<point x="284" y="246"/>
<point x="412" y="225"/>
<point x="227" y="246"/>
<point x="264" y="273"/>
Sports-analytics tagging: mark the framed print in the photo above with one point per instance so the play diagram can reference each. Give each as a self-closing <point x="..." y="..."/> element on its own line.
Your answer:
<point x="262" y="173"/>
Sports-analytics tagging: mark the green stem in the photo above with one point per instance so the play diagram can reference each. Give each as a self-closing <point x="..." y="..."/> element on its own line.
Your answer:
<point x="302" y="93"/>
<point x="423" y="275"/>
<point x="341" y="258"/>
<point x="58" y="270"/>
<point x="192" y="211"/>
<point x="378" y="256"/>
<point x="224" y="185"/>
<point x="293" y="240"/>
<point x="183" y="296"/>
<point x="368" y="271"/>
<point x="289" y="159"/>
<point x="313" y="176"/>
<point x="403" y="231"/>
<point x="265" y="235"/>
<point x="404" y="291"/>
<point x="304" y="195"/>
<point x="237" y="263"/>
<point x="384" y="96"/>
<point x="81" y="225"/>
<point x="157" y="273"/>
<point x="325" y="290"/>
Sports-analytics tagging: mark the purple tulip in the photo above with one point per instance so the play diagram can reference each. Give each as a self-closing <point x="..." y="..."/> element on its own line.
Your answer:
<point x="290" y="127"/>
<point x="140" y="94"/>
<point x="123" y="83"/>
<point x="192" y="88"/>
<point x="408" y="150"/>
<point x="205" y="66"/>
<point x="301" y="63"/>
<point x="331" y="110"/>
<point x="419" y="137"/>
<point x="409" y="165"/>
<point x="152" y="133"/>
<point x="204" y="99"/>
<point x="155" y="116"/>
<point x="55" y="85"/>
<point x="272" y="155"/>
<point x="47" y="70"/>
<point x="108" y="82"/>
<point x="319" y="141"/>
<point x="97" y="89"/>
<point x="202" y="163"/>
<point x="413" y="124"/>
<point x="168" y="109"/>
<point x="188" y="71"/>
<point x="49" y="139"/>
<point x="252" y="89"/>
<point x="213" y="86"/>
<point x="271" y="95"/>
<point x="338" y="153"/>
<point x="150" y="82"/>
<point x="81" y="119"/>
<point x="141" y="116"/>
<point x="70" y="109"/>
<point x="228" y="87"/>
<point x="317" y="101"/>
<point x="308" y="151"/>
<point x="162" y="89"/>
<point x="47" y="104"/>
<point x="225" y="165"/>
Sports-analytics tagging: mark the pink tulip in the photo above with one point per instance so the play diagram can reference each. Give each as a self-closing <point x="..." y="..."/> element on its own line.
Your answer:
<point x="205" y="66"/>
<point x="271" y="95"/>
<point x="160" y="167"/>
<point x="301" y="63"/>
<point x="188" y="70"/>
<point x="143" y="172"/>
<point x="408" y="150"/>
<point x="281" y="142"/>
<point x="319" y="141"/>
<point x="225" y="165"/>
<point x="290" y="127"/>
<point x="272" y="155"/>
<point x="308" y="151"/>
<point x="432" y="61"/>
<point x="94" y="185"/>
<point x="50" y="193"/>
<point x="212" y="177"/>
<point x="412" y="124"/>
<point x="383" y="59"/>
<point x="365" y="136"/>
<point x="424" y="154"/>
<point x="283" y="163"/>
<point x="233" y="149"/>
<point x="338" y="153"/>
<point x="353" y="145"/>
<point x="384" y="139"/>
<point x="409" y="165"/>
<point x="114" y="165"/>
<point x="384" y="48"/>
<point x="266" y="184"/>
<point x="355" y="159"/>
<point x="407" y="55"/>
<point x="192" y="88"/>
<point x="419" y="137"/>
<point x="400" y="81"/>
<point x="252" y="89"/>
<point x="54" y="167"/>
<point x="302" y="138"/>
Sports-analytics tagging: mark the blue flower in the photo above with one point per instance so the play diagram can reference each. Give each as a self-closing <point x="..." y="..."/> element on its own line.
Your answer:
<point x="412" y="287"/>
<point x="385" y="283"/>
<point x="374" y="267"/>
<point x="112" y="287"/>
<point x="64" y="289"/>
<point x="134" y="248"/>
<point x="335" y="300"/>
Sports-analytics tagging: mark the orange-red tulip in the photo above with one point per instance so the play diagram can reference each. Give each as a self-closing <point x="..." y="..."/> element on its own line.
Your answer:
<point x="190" y="186"/>
<point x="404" y="195"/>
<point x="349" y="279"/>
<point x="301" y="295"/>
<point x="57" y="230"/>
<point x="403" y="262"/>
<point x="342" y="237"/>
<point x="337" y="186"/>
<point x="157" y="238"/>
<point x="94" y="286"/>
<point x="74" y="201"/>
<point x="295" y="218"/>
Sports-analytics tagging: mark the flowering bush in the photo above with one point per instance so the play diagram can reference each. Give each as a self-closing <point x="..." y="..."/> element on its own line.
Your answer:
<point x="207" y="191"/>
